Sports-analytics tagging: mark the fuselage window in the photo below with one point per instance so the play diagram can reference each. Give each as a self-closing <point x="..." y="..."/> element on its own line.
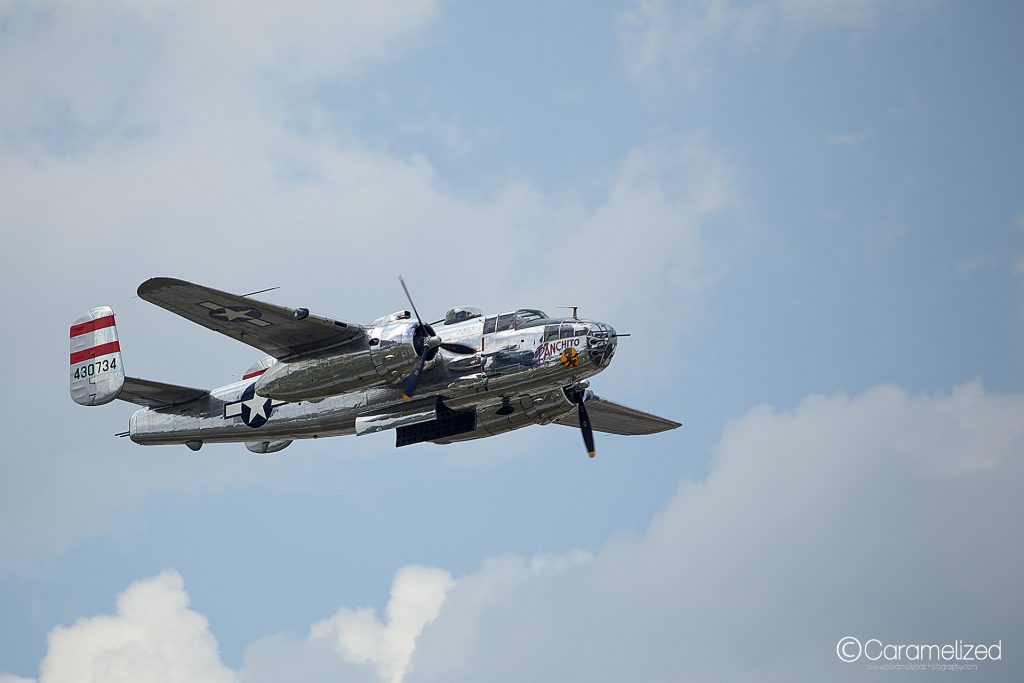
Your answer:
<point x="550" y="332"/>
<point x="489" y="324"/>
<point x="567" y="330"/>
<point x="505" y="321"/>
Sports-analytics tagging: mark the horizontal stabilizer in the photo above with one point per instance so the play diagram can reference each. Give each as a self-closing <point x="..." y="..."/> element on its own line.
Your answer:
<point x="615" y="418"/>
<point x="151" y="394"/>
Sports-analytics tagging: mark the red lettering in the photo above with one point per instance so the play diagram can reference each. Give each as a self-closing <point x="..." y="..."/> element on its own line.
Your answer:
<point x="556" y="347"/>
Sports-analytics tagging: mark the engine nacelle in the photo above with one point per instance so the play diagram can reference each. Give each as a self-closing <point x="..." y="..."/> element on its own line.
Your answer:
<point x="392" y="347"/>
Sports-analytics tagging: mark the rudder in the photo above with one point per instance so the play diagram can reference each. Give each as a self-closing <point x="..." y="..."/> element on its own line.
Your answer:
<point x="97" y="375"/>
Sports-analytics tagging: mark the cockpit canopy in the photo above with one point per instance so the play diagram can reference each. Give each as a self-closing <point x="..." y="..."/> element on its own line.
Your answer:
<point x="461" y="314"/>
<point x="514" y="320"/>
<point x="568" y="328"/>
<point x="529" y="316"/>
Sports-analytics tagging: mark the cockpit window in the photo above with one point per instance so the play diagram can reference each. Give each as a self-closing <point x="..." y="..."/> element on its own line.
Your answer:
<point x="565" y="329"/>
<point x="489" y="324"/>
<point x="529" y="315"/>
<point x="505" y="322"/>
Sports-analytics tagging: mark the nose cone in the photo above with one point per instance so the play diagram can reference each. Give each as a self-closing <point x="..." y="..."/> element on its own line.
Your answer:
<point x="602" y="342"/>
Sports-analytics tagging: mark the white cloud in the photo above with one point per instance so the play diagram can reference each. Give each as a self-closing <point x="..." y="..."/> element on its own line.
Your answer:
<point x="183" y="146"/>
<point x="641" y="250"/>
<point x="660" y="38"/>
<point x="138" y="69"/>
<point x="361" y="637"/>
<point x="882" y="515"/>
<point x="153" y="637"/>
<point x="220" y="173"/>
<point x="11" y="678"/>
<point x="183" y="140"/>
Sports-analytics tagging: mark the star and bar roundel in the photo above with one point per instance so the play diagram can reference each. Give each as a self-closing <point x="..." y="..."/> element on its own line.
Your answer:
<point x="254" y="410"/>
<point x="235" y="314"/>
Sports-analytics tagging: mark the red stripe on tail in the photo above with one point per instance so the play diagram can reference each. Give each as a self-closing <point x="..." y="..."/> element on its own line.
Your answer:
<point x="101" y="350"/>
<point x="92" y="326"/>
<point x="253" y="374"/>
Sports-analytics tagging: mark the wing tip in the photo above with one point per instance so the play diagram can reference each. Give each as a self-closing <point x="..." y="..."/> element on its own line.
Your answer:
<point x="665" y="425"/>
<point x="155" y="283"/>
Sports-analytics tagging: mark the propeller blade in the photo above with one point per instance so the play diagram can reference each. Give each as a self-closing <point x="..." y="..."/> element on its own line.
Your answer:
<point x="588" y="431"/>
<point x="585" y="426"/>
<point x="430" y="344"/>
<point x="414" y="377"/>
<point x="457" y="348"/>
<point x="406" y="289"/>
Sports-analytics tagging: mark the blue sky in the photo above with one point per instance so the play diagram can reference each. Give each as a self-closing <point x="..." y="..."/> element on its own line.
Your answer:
<point x="808" y="215"/>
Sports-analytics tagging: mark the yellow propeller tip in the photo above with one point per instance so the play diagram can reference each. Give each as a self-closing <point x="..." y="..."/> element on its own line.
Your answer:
<point x="591" y="453"/>
<point x="406" y="398"/>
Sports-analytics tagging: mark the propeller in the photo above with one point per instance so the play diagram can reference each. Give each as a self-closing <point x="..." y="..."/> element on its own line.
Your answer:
<point x="431" y="342"/>
<point x="579" y="398"/>
<point x="414" y="377"/>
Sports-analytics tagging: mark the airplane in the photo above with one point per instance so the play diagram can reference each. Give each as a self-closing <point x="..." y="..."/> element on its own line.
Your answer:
<point x="467" y="376"/>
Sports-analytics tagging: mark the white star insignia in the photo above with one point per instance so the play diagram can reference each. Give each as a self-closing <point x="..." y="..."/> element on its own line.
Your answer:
<point x="257" y="406"/>
<point x="236" y="315"/>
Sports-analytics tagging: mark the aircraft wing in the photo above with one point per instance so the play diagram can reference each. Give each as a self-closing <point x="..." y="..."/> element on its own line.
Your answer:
<point x="615" y="418"/>
<point x="270" y="328"/>
<point x="151" y="394"/>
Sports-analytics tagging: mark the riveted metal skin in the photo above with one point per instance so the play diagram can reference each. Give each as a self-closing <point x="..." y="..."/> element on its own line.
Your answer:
<point x="513" y="370"/>
<point x="97" y="373"/>
<point x="523" y="365"/>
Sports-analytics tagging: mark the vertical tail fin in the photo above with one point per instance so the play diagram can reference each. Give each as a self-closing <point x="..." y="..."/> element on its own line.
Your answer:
<point x="97" y="375"/>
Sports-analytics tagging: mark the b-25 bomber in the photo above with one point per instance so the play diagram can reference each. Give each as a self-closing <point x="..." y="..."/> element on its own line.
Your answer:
<point x="467" y="376"/>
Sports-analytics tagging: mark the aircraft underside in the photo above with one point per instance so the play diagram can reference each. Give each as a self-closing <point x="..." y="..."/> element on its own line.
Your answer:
<point x="468" y="378"/>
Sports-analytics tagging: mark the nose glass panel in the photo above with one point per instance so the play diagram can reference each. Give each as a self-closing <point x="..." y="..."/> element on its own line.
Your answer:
<point x="601" y="341"/>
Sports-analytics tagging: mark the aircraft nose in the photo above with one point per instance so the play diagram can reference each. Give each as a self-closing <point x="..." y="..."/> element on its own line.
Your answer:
<point x="602" y="342"/>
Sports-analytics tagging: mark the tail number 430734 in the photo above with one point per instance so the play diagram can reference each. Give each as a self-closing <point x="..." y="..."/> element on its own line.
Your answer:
<point x="95" y="368"/>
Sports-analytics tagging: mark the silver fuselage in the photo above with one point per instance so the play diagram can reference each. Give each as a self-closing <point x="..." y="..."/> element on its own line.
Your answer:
<point x="524" y="368"/>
